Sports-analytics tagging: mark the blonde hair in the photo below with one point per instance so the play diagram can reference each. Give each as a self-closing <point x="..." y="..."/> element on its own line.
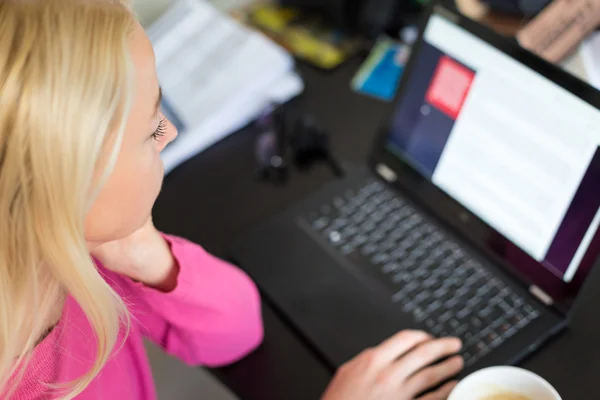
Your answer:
<point x="66" y="79"/>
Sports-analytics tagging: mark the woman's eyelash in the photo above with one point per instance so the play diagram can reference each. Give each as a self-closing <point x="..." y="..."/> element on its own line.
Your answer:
<point x="160" y="130"/>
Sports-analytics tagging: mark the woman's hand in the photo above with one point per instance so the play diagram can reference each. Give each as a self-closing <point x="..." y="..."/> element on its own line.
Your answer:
<point x="399" y="369"/>
<point x="143" y="256"/>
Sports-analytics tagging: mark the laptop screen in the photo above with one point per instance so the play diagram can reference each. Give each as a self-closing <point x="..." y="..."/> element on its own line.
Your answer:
<point x="514" y="148"/>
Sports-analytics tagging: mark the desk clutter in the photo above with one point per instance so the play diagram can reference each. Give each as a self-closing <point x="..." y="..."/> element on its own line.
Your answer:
<point x="220" y="69"/>
<point x="307" y="141"/>
<point x="309" y="36"/>
<point x="217" y="75"/>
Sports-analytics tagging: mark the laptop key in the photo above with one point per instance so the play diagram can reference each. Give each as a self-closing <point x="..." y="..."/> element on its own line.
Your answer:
<point x="377" y="216"/>
<point x="420" y="315"/>
<point x="348" y="248"/>
<point x="320" y="223"/>
<point x="473" y="301"/>
<point x="369" y="249"/>
<point x="359" y="217"/>
<point x="515" y="300"/>
<point x="516" y="319"/>
<point x="504" y="327"/>
<point x="367" y="227"/>
<point x="367" y="208"/>
<point x="476" y="323"/>
<point x="388" y="245"/>
<point x="349" y="230"/>
<point x="491" y="338"/>
<point x="430" y="324"/>
<point x="359" y="240"/>
<point x="463" y="313"/>
<point x="380" y="258"/>
<point x="529" y="309"/>
<point x="503" y="306"/>
<point x="460" y="331"/>
<point x="339" y="202"/>
<point x="434" y="306"/>
<point x="393" y="267"/>
<point x="400" y="278"/>
<point x="445" y="317"/>
<point x="454" y="324"/>
<point x="376" y="236"/>
<point x="481" y="346"/>
<point x="335" y="237"/>
<point x="452" y="303"/>
<point x="409" y="307"/>
<point x="398" y="254"/>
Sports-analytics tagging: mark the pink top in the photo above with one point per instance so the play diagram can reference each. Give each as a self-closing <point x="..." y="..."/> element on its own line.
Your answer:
<point x="212" y="318"/>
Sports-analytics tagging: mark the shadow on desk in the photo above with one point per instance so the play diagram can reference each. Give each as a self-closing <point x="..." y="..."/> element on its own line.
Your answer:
<point x="281" y="368"/>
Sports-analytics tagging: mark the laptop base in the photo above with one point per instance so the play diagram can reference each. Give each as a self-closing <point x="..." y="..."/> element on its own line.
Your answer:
<point x="336" y="304"/>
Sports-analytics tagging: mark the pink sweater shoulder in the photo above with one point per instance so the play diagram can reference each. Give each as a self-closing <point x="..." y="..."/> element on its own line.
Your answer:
<point x="212" y="318"/>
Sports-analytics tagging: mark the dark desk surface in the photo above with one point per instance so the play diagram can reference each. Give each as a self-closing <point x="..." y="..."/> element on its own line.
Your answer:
<point x="214" y="196"/>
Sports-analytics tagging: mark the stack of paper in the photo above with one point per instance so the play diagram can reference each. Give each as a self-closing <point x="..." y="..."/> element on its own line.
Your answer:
<point x="216" y="75"/>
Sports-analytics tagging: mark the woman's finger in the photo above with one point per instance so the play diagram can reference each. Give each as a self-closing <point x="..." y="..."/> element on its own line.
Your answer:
<point x="433" y="376"/>
<point x="398" y="345"/>
<point x="440" y="394"/>
<point x="425" y="354"/>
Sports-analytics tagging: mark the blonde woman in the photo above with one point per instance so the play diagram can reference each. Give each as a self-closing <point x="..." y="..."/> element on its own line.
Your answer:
<point x="84" y="275"/>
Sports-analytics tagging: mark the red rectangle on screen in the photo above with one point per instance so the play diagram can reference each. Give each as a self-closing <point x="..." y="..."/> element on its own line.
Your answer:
<point x="449" y="86"/>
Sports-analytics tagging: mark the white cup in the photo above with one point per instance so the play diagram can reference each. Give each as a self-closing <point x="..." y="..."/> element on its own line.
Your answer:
<point x="497" y="380"/>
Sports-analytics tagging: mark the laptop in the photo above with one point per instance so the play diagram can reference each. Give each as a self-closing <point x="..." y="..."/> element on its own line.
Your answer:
<point x="476" y="216"/>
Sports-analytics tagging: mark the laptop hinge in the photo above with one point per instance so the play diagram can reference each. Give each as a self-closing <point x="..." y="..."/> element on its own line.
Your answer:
<point x="386" y="172"/>
<point x="541" y="295"/>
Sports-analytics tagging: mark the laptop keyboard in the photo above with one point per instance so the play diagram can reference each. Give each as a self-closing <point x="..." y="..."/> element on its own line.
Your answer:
<point x="433" y="278"/>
